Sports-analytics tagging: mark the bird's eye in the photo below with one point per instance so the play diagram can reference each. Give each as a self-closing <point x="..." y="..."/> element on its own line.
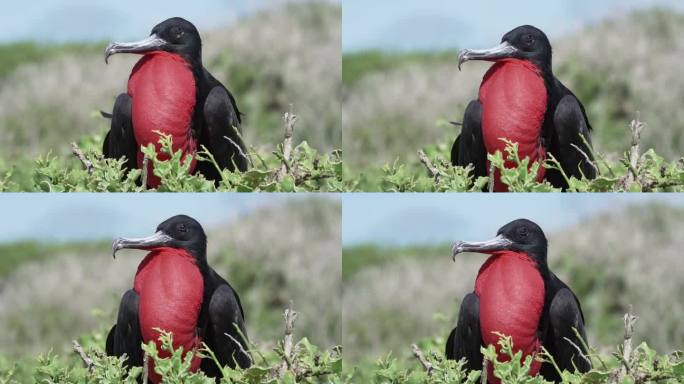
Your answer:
<point x="522" y="232"/>
<point x="529" y="39"/>
<point x="182" y="228"/>
<point x="177" y="32"/>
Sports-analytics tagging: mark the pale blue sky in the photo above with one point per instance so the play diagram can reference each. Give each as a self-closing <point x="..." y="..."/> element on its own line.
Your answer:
<point x="88" y="20"/>
<point x="404" y="219"/>
<point x="440" y="24"/>
<point x="84" y="216"/>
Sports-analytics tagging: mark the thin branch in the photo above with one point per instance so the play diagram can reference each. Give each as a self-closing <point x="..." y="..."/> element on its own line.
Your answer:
<point x="485" y="368"/>
<point x="432" y="170"/>
<point x="636" y="127"/>
<point x="630" y="320"/>
<point x="578" y="350"/>
<point x="290" y="317"/>
<point x="79" y="350"/>
<point x="144" y="171"/>
<point x="242" y="349"/>
<point x="423" y="361"/>
<point x="290" y="119"/>
<point x="239" y="148"/>
<point x="87" y="164"/>
<point x="491" y="177"/>
<point x="586" y="157"/>
<point x="146" y="368"/>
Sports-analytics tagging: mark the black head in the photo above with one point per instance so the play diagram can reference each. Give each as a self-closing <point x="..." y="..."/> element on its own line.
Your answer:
<point x="525" y="43"/>
<point x="182" y="232"/>
<point x="521" y="235"/>
<point x="174" y="35"/>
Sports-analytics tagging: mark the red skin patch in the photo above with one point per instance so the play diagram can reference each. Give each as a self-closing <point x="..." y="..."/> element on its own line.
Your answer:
<point x="171" y="289"/>
<point x="513" y="96"/>
<point x="511" y="292"/>
<point x="162" y="88"/>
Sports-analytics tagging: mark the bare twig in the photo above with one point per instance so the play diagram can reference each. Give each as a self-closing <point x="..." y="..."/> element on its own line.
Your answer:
<point x="290" y="317"/>
<point x="239" y="149"/>
<point x="144" y="172"/>
<point x="630" y="320"/>
<point x="586" y="157"/>
<point x="423" y="361"/>
<point x="290" y="119"/>
<point x="242" y="349"/>
<point x="87" y="164"/>
<point x="79" y="350"/>
<point x="636" y="127"/>
<point x="491" y="177"/>
<point x="146" y="368"/>
<point x="579" y="350"/>
<point x="432" y="170"/>
<point x="485" y="368"/>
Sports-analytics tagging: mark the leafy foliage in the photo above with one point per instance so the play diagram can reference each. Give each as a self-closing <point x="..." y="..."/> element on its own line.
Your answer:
<point x="644" y="366"/>
<point x="306" y="364"/>
<point x="650" y="173"/>
<point x="307" y="170"/>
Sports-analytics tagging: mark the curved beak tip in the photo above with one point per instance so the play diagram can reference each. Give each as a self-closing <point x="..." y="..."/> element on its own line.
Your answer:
<point x="108" y="52"/>
<point x="118" y="244"/>
<point x="462" y="58"/>
<point x="456" y="249"/>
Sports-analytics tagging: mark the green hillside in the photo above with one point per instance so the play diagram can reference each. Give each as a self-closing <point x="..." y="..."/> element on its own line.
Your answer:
<point x="397" y="103"/>
<point x="394" y="297"/>
<point x="51" y="95"/>
<point x="51" y="294"/>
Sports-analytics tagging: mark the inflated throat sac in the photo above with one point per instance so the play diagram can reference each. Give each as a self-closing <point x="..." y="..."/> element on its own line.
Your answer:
<point x="171" y="290"/>
<point x="163" y="93"/>
<point x="514" y="102"/>
<point x="511" y="292"/>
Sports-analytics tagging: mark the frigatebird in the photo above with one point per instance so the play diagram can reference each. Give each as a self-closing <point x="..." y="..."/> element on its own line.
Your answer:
<point x="517" y="295"/>
<point x="170" y="91"/>
<point x="177" y="291"/>
<point x="522" y="101"/>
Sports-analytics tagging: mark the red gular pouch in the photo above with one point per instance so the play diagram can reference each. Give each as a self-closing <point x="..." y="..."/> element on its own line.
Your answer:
<point x="511" y="292"/>
<point x="171" y="290"/>
<point x="162" y="89"/>
<point x="514" y="101"/>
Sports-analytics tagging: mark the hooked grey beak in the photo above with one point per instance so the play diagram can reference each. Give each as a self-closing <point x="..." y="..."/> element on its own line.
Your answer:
<point x="498" y="243"/>
<point x="159" y="239"/>
<point x="501" y="51"/>
<point x="152" y="43"/>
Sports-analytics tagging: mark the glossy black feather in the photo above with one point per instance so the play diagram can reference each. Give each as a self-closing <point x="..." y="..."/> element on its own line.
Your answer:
<point x="565" y="121"/>
<point x="220" y="130"/>
<point x="223" y="314"/>
<point x="125" y="336"/>
<point x="465" y="339"/>
<point x="469" y="146"/>
<point x="120" y="140"/>
<point x="216" y="122"/>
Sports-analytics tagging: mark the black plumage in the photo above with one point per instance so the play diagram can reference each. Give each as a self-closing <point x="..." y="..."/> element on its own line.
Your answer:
<point x="561" y="314"/>
<point x="221" y="312"/>
<point x="566" y="131"/>
<point x="216" y="122"/>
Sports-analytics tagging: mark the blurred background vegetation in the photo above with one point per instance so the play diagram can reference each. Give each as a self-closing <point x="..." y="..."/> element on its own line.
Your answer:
<point x="398" y="101"/>
<point x="283" y="55"/>
<point x="396" y="295"/>
<point x="276" y="252"/>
